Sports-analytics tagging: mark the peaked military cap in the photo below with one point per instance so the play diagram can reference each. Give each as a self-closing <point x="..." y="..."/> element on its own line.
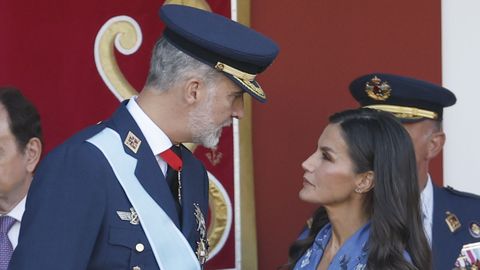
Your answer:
<point x="230" y="47"/>
<point x="407" y="98"/>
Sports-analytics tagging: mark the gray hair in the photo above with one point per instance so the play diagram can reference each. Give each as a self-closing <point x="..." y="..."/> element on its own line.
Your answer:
<point x="169" y="66"/>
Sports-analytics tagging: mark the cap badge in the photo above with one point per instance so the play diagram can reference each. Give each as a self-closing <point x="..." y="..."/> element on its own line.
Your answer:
<point x="452" y="222"/>
<point x="133" y="142"/>
<point x="378" y="90"/>
<point x="202" y="245"/>
<point x="475" y="229"/>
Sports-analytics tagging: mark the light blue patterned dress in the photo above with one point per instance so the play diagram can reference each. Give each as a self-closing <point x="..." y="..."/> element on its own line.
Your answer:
<point x="352" y="255"/>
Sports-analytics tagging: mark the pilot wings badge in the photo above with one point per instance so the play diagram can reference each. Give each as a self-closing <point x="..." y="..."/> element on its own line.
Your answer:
<point x="131" y="216"/>
<point x="202" y="245"/>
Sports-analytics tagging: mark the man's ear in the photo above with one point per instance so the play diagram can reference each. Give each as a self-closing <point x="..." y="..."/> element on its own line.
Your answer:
<point x="435" y="144"/>
<point x="365" y="182"/>
<point x="191" y="90"/>
<point x="32" y="152"/>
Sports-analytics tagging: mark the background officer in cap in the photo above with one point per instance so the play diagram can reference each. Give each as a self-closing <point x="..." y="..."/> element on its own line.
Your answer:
<point x="81" y="213"/>
<point x="447" y="213"/>
<point x="20" y="150"/>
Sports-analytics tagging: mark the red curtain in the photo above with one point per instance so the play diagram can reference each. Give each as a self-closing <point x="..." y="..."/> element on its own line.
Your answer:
<point x="47" y="51"/>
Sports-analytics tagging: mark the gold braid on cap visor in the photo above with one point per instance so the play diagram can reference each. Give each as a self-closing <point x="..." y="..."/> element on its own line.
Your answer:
<point x="405" y="112"/>
<point x="234" y="72"/>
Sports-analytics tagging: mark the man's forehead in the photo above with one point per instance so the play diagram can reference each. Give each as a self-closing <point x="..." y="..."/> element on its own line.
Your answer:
<point x="232" y="88"/>
<point x="420" y="126"/>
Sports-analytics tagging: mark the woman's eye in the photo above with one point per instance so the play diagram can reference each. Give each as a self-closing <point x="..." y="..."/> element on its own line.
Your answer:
<point x="325" y="156"/>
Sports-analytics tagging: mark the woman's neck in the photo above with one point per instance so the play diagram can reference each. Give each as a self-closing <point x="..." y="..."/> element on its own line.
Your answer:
<point x="345" y="222"/>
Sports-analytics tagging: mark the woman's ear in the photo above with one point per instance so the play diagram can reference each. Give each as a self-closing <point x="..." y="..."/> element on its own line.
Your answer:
<point x="32" y="152"/>
<point x="365" y="183"/>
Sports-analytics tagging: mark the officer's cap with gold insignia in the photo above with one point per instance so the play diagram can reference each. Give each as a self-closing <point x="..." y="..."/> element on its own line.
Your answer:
<point x="230" y="47"/>
<point x="407" y="98"/>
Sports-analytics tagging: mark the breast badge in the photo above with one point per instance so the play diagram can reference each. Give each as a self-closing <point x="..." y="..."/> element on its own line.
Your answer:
<point x="202" y="245"/>
<point x="452" y="222"/>
<point x="129" y="216"/>
<point x="475" y="229"/>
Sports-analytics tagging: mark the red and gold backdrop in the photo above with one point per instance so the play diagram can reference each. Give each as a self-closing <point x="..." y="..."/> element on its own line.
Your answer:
<point x="77" y="59"/>
<point x="46" y="49"/>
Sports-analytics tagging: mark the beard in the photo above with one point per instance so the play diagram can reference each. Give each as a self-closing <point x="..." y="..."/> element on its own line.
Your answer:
<point x="204" y="130"/>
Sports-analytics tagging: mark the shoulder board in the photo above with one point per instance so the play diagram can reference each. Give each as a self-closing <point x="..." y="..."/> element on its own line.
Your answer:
<point x="461" y="193"/>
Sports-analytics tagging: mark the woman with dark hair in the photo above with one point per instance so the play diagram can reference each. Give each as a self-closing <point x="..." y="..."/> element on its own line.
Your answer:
<point x="363" y="176"/>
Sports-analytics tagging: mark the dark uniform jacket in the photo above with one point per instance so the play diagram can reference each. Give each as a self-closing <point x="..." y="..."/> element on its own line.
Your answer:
<point x="71" y="219"/>
<point x="446" y="245"/>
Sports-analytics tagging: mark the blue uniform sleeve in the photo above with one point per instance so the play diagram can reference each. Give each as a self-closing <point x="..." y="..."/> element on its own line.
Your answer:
<point x="64" y="211"/>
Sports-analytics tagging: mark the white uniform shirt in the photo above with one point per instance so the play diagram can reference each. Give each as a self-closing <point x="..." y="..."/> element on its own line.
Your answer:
<point x="156" y="138"/>
<point x="426" y="198"/>
<point x="16" y="213"/>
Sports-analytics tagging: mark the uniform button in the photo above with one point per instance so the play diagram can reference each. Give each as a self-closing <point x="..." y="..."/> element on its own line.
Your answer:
<point x="139" y="248"/>
<point x="136" y="268"/>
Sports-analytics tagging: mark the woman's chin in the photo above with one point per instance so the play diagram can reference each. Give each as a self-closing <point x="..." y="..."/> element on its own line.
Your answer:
<point x="304" y="194"/>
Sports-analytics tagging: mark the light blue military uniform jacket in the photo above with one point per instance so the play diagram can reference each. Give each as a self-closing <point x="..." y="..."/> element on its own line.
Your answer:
<point x="71" y="219"/>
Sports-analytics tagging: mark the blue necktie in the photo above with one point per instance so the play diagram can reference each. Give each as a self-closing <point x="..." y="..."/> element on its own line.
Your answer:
<point x="6" y="249"/>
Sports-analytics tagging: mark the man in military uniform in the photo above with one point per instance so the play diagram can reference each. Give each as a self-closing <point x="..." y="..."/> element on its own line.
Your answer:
<point x="125" y="194"/>
<point x="448" y="219"/>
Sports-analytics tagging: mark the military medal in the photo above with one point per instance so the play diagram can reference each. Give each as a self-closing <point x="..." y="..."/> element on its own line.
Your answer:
<point x="202" y="245"/>
<point x="377" y="90"/>
<point x="131" y="216"/>
<point x="475" y="229"/>
<point x="452" y="221"/>
<point x="469" y="256"/>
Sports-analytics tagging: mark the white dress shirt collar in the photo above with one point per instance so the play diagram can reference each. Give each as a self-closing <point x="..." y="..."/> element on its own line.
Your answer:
<point x="16" y="213"/>
<point x="156" y="138"/>
<point x="426" y="198"/>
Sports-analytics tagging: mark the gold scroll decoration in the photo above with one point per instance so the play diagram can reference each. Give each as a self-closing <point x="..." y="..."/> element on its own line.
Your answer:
<point x="221" y="209"/>
<point x="123" y="33"/>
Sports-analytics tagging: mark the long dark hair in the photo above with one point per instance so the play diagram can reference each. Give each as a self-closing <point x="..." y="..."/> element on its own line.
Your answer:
<point x="377" y="142"/>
